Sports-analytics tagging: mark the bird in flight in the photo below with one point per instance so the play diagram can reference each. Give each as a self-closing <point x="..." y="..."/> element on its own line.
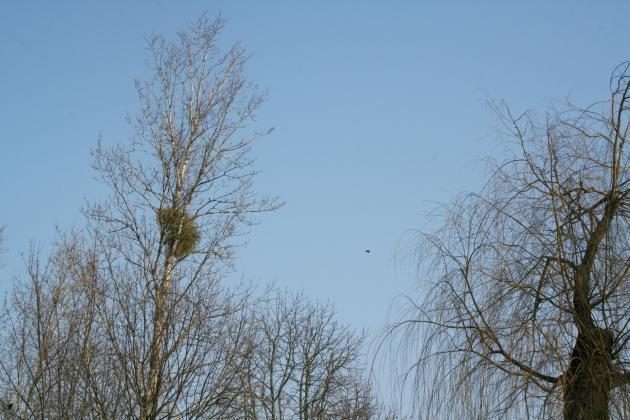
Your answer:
<point x="367" y="251"/>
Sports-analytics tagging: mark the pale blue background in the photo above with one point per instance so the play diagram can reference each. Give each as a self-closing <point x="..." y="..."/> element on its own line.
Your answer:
<point x="380" y="110"/>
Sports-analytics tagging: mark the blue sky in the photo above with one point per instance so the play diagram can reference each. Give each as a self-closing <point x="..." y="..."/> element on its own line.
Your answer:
<point x="379" y="108"/>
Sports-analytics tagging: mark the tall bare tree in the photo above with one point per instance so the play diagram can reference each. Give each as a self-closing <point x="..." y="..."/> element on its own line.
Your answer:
<point x="526" y="294"/>
<point x="181" y="196"/>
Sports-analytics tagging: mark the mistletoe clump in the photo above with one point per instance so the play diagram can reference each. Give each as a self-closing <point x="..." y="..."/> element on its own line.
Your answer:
<point x="179" y="230"/>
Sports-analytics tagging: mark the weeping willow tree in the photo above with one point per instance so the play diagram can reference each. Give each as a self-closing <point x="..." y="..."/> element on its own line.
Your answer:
<point x="525" y="291"/>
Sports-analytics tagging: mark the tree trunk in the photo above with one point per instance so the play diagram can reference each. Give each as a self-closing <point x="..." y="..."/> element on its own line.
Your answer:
<point x="589" y="378"/>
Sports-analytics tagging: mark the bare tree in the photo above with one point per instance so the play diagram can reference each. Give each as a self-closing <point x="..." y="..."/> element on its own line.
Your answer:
<point x="181" y="195"/>
<point x="46" y="337"/>
<point x="526" y="299"/>
<point x="303" y="364"/>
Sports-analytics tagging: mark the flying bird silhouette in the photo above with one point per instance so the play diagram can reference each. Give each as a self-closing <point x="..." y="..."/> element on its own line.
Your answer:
<point x="367" y="251"/>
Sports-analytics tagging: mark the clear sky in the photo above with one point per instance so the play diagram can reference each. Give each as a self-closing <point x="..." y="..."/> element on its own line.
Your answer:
<point x="379" y="108"/>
